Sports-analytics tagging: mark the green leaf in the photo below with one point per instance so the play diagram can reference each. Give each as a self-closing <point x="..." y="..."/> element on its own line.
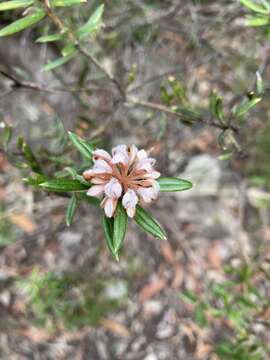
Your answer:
<point x="83" y="146"/>
<point x="120" y="227"/>
<point x="107" y="224"/>
<point x="6" y="136"/>
<point x="257" y="21"/>
<point x="71" y="208"/>
<point x="50" y="38"/>
<point x="241" y="110"/>
<point x="166" y="97"/>
<point x="15" y="4"/>
<point x="23" y="23"/>
<point x="259" y="83"/>
<point x="227" y="155"/>
<point x="189" y="296"/>
<point x="200" y="316"/>
<point x="89" y="199"/>
<point x="168" y="184"/>
<point x="92" y="25"/>
<point x="68" y="49"/>
<point x="76" y="176"/>
<point x="148" y="223"/>
<point x="250" y="4"/>
<point x="188" y="113"/>
<point x="59" y="62"/>
<point x="29" y="156"/>
<point x="63" y="185"/>
<point x="65" y="3"/>
<point x="35" y="180"/>
<point x="216" y="107"/>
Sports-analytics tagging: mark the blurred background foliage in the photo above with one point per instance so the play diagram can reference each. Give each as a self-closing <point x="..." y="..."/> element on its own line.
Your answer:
<point x="195" y="76"/>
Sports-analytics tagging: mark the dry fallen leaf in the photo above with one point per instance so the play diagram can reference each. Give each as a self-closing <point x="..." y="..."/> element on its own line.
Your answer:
<point x="23" y="222"/>
<point x="178" y="277"/>
<point x="35" y="334"/>
<point x="167" y="252"/>
<point x="152" y="289"/>
<point x="115" y="327"/>
<point x="214" y="256"/>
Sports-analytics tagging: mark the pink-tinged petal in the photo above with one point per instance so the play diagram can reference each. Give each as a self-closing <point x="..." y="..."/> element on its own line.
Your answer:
<point x="101" y="166"/>
<point x="152" y="175"/>
<point x="95" y="190"/>
<point x="132" y="151"/>
<point x="120" y="155"/>
<point x="110" y="206"/>
<point x="149" y="194"/>
<point x="129" y="201"/>
<point x="101" y="154"/>
<point x="88" y="174"/>
<point x="98" y="181"/>
<point x="142" y="154"/>
<point x="113" y="188"/>
<point x="146" y="164"/>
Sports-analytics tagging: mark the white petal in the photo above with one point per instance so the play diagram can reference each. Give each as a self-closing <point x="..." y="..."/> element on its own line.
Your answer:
<point x="146" y="164"/>
<point x="152" y="175"/>
<point x="102" y="154"/>
<point x="156" y="187"/>
<point x="113" y="188"/>
<point x="149" y="194"/>
<point x="142" y="154"/>
<point x="120" y="155"/>
<point x="101" y="166"/>
<point x="95" y="190"/>
<point x="109" y="207"/>
<point x="131" y="211"/>
<point x="87" y="174"/>
<point x="129" y="201"/>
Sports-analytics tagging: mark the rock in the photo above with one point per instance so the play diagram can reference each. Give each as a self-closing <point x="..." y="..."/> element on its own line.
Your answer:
<point x="151" y="357"/>
<point x="205" y="173"/>
<point x="116" y="290"/>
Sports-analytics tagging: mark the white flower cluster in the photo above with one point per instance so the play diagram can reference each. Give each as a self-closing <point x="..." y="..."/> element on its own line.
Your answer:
<point x="128" y="174"/>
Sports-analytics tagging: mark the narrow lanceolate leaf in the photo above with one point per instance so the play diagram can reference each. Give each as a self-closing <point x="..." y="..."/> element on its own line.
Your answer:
<point x="92" y="25"/>
<point x="168" y="184"/>
<point x="23" y="23"/>
<point x="65" y="3"/>
<point x="107" y="224"/>
<point x="63" y="185"/>
<point x="6" y="136"/>
<point x="88" y="199"/>
<point x="29" y="156"/>
<point x="15" y="4"/>
<point x="68" y="49"/>
<point x="35" y="180"/>
<point x="252" y="5"/>
<point x="257" y="20"/>
<point x="216" y="107"/>
<point x="259" y="83"/>
<point x="50" y="38"/>
<point x="76" y="176"/>
<point x="149" y="224"/>
<point x="71" y="208"/>
<point x="83" y="146"/>
<point x="59" y="62"/>
<point x="244" y="108"/>
<point x="120" y="227"/>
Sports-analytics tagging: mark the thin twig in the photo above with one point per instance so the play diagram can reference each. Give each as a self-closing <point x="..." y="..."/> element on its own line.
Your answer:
<point x="58" y="23"/>
<point x="102" y="69"/>
<point x="31" y="85"/>
<point x="164" y="109"/>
